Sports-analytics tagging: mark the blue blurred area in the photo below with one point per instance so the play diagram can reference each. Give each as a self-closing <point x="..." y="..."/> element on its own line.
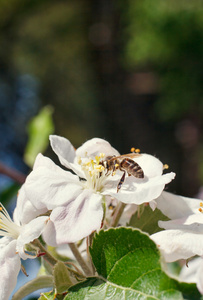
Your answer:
<point x="19" y="101"/>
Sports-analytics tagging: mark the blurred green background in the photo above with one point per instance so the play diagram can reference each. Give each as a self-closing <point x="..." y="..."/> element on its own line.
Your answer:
<point x="127" y="71"/>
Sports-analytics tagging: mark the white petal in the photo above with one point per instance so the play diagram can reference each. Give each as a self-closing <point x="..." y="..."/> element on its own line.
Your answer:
<point x="63" y="149"/>
<point x="176" y="207"/>
<point x="76" y="220"/>
<point x="5" y="241"/>
<point x="25" y="211"/>
<point x="94" y="147"/>
<point x="193" y="222"/>
<point x="153" y="205"/>
<point x="139" y="191"/>
<point x="188" y="272"/>
<point x="29" y="233"/>
<point x="178" y="244"/>
<point x="66" y="153"/>
<point x="129" y="210"/>
<point x="51" y="187"/>
<point x="9" y="269"/>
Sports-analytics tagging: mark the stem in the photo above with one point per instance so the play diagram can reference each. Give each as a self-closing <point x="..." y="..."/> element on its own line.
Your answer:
<point x="80" y="259"/>
<point x="117" y="214"/>
<point x="77" y="272"/>
<point x="89" y="244"/>
<point x="48" y="257"/>
<point x="90" y="239"/>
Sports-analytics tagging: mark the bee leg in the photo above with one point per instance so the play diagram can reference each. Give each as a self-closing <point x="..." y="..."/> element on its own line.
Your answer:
<point x="114" y="169"/>
<point x="121" y="182"/>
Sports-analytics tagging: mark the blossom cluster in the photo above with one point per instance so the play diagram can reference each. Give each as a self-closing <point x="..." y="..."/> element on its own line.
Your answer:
<point x="66" y="204"/>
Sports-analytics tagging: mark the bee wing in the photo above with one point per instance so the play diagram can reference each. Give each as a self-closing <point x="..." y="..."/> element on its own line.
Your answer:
<point x="109" y="157"/>
<point x="132" y="155"/>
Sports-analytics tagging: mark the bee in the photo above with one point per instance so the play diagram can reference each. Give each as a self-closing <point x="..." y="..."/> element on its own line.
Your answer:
<point x="124" y="163"/>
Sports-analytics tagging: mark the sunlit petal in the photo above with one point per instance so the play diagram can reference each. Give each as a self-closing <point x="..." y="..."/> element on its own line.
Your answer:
<point x="94" y="147"/>
<point x="179" y="244"/>
<point x="66" y="153"/>
<point x="50" y="188"/>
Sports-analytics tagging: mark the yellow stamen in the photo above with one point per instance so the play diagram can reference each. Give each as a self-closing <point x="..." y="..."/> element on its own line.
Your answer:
<point x="79" y="160"/>
<point x="165" y="167"/>
<point x="97" y="158"/>
<point x="201" y="204"/>
<point x="200" y="209"/>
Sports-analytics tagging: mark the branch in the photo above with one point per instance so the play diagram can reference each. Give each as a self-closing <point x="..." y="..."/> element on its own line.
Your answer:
<point x="13" y="174"/>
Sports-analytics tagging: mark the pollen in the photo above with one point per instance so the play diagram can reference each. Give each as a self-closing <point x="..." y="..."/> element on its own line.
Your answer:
<point x="134" y="150"/>
<point x="165" y="167"/>
<point x="97" y="158"/>
<point x="201" y="205"/>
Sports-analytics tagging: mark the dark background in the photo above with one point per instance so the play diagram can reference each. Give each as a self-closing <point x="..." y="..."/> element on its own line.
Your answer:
<point x="127" y="71"/>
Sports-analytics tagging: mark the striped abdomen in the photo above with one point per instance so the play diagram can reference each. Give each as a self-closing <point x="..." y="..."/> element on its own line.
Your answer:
<point x="131" y="167"/>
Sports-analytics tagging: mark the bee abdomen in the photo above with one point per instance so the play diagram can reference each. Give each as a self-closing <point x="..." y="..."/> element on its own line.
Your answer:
<point x="132" y="168"/>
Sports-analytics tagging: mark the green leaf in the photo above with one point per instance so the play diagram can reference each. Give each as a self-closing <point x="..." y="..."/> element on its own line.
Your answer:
<point x="38" y="283"/>
<point x="128" y="266"/>
<point x="62" y="279"/>
<point x="39" y="129"/>
<point x="48" y="296"/>
<point x="148" y="220"/>
<point x="51" y="296"/>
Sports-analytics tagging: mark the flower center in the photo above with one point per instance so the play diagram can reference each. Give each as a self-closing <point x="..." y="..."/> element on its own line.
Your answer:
<point x="7" y="226"/>
<point x="94" y="172"/>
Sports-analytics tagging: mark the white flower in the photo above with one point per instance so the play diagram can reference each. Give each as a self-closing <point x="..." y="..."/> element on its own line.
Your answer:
<point x="77" y="200"/>
<point x="183" y="237"/>
<point x="12" y="248"/>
